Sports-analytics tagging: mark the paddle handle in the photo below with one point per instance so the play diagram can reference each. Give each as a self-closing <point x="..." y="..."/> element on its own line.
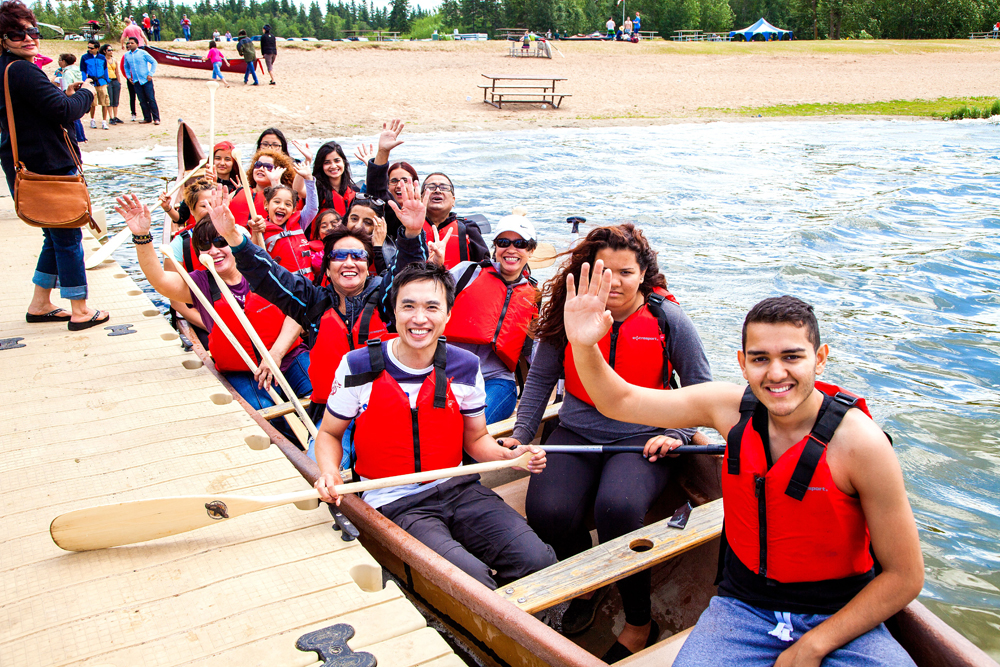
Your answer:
<point x="262" y="350"/>
<point x="431" y="475"/>
<point x="714" y="450"/>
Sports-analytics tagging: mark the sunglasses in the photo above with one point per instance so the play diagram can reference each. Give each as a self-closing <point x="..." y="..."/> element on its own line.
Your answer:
<point x="341" y="255"/>
<point x="218" y="242"/>
<point x="263" y="165"/>
<point x="20" y="35"/>
<point x="520" y="244"/>
<point x="369" y="202"/>
<point x="438" y="187"/>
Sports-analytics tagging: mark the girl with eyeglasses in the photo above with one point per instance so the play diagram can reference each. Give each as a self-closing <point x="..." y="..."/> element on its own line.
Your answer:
<point x="279" y="333"/>
<point x="332" y="172"/>
<point x="268" y="168"/>
<point x="650" y="341"/>
<point x="43" y="120"/>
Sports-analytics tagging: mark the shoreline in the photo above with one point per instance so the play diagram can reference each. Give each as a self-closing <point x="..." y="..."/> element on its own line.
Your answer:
<point x="337" y="89"/>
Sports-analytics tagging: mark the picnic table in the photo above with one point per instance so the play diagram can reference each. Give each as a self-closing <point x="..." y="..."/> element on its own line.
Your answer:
<point x="687" y="36"/>
<point x="522" y="90"/>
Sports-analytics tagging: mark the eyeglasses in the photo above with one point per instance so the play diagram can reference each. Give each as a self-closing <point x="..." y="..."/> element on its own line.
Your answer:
<point x="276" y="147"/>
<point x="263" y="165"/>
<point x="341" y="255"/>
<point x="520" y="244"/>
<point x="20" y="35"/>
<point x="438" y="187"/>
<point x="396" y="181"/>
<point x="218" y="242"/>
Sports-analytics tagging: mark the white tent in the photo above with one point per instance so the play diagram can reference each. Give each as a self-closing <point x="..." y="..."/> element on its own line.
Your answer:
<point x="761" y="27"/>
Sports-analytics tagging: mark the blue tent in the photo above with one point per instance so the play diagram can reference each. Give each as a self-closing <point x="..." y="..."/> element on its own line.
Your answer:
<point x="764" y="28"/>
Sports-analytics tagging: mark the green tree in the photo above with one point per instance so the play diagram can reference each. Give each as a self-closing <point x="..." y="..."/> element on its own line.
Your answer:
<point x="399" y="17"/>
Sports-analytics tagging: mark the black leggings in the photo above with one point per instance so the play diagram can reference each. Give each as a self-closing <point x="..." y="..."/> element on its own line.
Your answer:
<point x="618" y="487"/>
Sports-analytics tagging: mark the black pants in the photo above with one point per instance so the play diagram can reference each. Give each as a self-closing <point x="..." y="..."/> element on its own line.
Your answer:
<point x="147" y="100"/>
<point x="131" y="97"/>
<point x="474" y="529"/>
<point x="618" y="488"/>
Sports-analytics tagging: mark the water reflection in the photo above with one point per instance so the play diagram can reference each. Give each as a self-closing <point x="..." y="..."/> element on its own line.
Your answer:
<point x="888" y="228"/>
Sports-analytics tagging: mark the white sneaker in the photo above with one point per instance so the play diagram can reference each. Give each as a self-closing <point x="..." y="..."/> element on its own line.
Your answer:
<point x="133" y="118"/>
<point x="104" y="124"/>
<point x="93" y="124"/>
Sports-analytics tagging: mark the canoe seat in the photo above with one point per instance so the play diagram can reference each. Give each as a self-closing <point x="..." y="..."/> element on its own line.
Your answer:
<point x="614" y="560"/>
<point x="661" y="654"/>
<point x="505" y="428"/>
<point x="281" y="409"/>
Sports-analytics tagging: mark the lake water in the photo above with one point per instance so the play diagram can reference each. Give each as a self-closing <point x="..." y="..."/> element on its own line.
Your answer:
<point x="889" y="228"/>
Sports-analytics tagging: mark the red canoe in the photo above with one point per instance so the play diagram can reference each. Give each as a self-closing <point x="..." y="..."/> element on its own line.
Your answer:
<point x="190" y="61"/>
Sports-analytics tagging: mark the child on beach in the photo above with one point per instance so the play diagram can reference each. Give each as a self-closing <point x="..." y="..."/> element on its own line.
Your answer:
<point x="216" y="57"/>
<point x="65" y="76"/>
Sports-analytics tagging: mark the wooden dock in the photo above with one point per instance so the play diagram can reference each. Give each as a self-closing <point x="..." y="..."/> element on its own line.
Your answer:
<point x="94" y="418"/>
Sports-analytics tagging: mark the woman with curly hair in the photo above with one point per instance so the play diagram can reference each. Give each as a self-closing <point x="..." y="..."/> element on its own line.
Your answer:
<point x="268" y="168"/>
<point x="651" y="340"/>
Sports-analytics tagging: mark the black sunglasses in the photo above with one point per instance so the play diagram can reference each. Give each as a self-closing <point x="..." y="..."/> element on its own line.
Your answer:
<point x="263" y="165"/>
<point x="520" y="244"/>
<point x="19" y="35"/>
<point x="218" y="242"/>
<point x="369" y="202"/>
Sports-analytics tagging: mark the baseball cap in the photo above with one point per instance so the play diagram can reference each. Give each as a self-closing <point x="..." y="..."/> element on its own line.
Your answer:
<point x="518" y="224"/>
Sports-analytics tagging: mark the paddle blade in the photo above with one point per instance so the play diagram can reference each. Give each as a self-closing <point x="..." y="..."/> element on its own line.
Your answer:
<point x="544" y="256"/>
<point x="142" y="520"/>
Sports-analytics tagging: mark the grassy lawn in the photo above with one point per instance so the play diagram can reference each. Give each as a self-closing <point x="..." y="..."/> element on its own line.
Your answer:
<point x="938" y="107"/>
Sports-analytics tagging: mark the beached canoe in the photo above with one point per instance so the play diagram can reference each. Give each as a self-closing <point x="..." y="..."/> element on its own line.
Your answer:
<point x="500" y="628"/>
<point x="191" y="61"/>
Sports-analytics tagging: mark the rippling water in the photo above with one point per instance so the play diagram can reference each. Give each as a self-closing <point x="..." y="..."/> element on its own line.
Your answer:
<point x="888" y="228"/>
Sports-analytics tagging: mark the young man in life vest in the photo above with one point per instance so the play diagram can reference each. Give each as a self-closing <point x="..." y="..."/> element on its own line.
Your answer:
<point x="808" y="485"/>
<point x="417" y="404"/>
<point x="466" y="243"/>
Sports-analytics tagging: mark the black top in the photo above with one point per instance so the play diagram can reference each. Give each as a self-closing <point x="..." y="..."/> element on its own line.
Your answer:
<point x="268" y="45"/>
<point x="41" y="111"/>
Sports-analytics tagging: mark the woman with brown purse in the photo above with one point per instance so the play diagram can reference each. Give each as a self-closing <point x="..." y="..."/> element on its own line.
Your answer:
<point x="42" y="115"/>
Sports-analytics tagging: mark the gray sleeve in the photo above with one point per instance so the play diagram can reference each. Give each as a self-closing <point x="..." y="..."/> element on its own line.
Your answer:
<point x="685" y="349"/>
<point x="546" y="369"/>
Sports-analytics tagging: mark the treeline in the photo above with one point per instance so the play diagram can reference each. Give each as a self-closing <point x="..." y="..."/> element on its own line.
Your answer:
<point x="286" y="18"/>
<point x="819" y="19"/>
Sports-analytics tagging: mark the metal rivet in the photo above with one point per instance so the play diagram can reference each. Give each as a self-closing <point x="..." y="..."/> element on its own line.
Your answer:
<point x="522" y="600"/>
<point x="509" y="591"/>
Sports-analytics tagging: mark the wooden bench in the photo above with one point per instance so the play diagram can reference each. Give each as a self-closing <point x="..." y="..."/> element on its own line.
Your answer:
<point x="522" y="90"/>
<point x="614" y="560"/>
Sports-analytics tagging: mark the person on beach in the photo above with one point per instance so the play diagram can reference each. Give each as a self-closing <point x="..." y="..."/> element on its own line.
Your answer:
<point x="186" y="27"/>
<point x="155" y="22"/>
<point x="245" y="48"/>
<point x="132" y="30"/>
<point x="147" y="26"/>
<point x="279" y="333"/>
<point x="140" y="67"/>
<point x="802" y="588"/>
<point x="636" y="25"/>
<point x="114" y="84"/>
<point x="627" y="28"/>
<point x="66" y="76"/>
<point x="216" y="36"/>
<point x="216" y="57"/>
<point x="651" y="339"/>
<point x="610" y="25"/>
<point x="268" y="168"/>
<point x="94" y="67"/>
<point x="268" y="49"/>
<point x="495" y="302"/>
<point x="44" y="114"/>
<point x="273" y="139"/>
<point x="334" y="184"/>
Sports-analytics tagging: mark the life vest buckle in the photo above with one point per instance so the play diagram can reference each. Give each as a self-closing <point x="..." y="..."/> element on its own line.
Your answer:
<point x="845" y="399"/>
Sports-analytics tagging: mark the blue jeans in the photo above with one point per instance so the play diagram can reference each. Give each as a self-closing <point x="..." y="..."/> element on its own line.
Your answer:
<point x="60" y="263"/>
<point x="731" y="633"/>
<point x="250" y="70"/>
<point x="187" y="32"/>
<point x="217" y="70"/>
<point x="501" y="399"/>
<point x="80" y="136"/>
<point x="298" y="379"/>
<point x="147" y="100"/>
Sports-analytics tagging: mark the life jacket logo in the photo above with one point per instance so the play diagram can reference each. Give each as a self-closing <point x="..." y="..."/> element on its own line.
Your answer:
<point x="656" y="338"/>
<point x="335" y="387"/>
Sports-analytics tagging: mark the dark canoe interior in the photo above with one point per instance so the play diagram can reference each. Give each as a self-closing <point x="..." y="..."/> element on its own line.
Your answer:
<point x="189" y="151"/>
<point x="494" y="632"/>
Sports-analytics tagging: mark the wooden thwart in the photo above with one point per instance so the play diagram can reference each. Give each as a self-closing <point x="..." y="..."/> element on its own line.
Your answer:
<point x="505" y="428"/>
<point x="614" y="560"/>
<point x="282" y="409"/>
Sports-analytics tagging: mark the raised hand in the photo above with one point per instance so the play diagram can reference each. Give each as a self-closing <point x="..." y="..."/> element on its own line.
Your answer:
<point x="135" y="213"/>
<point x="222" y="217"/>
<point x="364" y="153"/>
<point x="437" y="248"/>
<point x="304" y="169"/>
<point x="379" y="232"/>
<point x="306" y="154"/>
<point x="585" y="317"/>
<point x="274" y="176"/>
<point x="410" y="211"/>
<point x="389" y="138"/>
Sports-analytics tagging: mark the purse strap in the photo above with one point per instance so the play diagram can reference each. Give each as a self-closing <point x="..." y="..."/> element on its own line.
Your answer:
<point x="13" y="131"/>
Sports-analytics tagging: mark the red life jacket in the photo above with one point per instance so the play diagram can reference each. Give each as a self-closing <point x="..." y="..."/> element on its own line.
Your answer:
<point x="636" y="349"/>
<point x="263" y="315"/>
<point x="288" y="246"/>
<point x="458" y="245"/>
<point x="238" y="206"/>
<point x="338" y="202"/>
<point x="487" y="311"/>
<point x="333" y="341"/>
<point x="190" y="256"/>
<point x="390" y="437"/>
<point x="791" y="523"/>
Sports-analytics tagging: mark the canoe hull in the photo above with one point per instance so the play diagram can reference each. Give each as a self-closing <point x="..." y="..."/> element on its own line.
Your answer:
<point x="190" y="61"/>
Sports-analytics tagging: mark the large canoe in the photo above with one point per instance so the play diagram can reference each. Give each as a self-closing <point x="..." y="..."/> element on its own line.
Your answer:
<point x="191" y="61"/>
<point x="496" y="626"/>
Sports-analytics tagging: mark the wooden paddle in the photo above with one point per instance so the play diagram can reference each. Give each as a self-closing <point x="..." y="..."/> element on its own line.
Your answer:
<point x="544" y="256"/>
<point x="262" y="350"/>
<point x="115" y="241"/>
<point x="142" y="520"/>
<point x="301" y="434"/>
<point x="258" y="238"/>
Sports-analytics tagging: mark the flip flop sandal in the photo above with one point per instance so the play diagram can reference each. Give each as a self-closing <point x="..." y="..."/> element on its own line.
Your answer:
<point x="52" y="316"/>
<point x="92" y="322"/>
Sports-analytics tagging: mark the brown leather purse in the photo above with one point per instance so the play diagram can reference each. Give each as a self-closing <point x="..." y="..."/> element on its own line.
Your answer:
<point x="48" y="201"/>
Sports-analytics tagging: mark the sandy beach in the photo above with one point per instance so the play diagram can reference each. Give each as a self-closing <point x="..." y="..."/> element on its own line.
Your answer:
<point x="346" y="89"/>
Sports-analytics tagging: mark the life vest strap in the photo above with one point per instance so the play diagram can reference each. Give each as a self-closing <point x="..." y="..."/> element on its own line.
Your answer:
<point x="654" y="302"/>
<point x="440" y="379"/>
<point x="831" y="414"/>
<point x="273" y="241"/>
<point x="366" y="318"/>
<point x="470" y="271"/>
<point x="748" y="404"/>
<point x="377" y="363"/>
<point x="186" y="242"/>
